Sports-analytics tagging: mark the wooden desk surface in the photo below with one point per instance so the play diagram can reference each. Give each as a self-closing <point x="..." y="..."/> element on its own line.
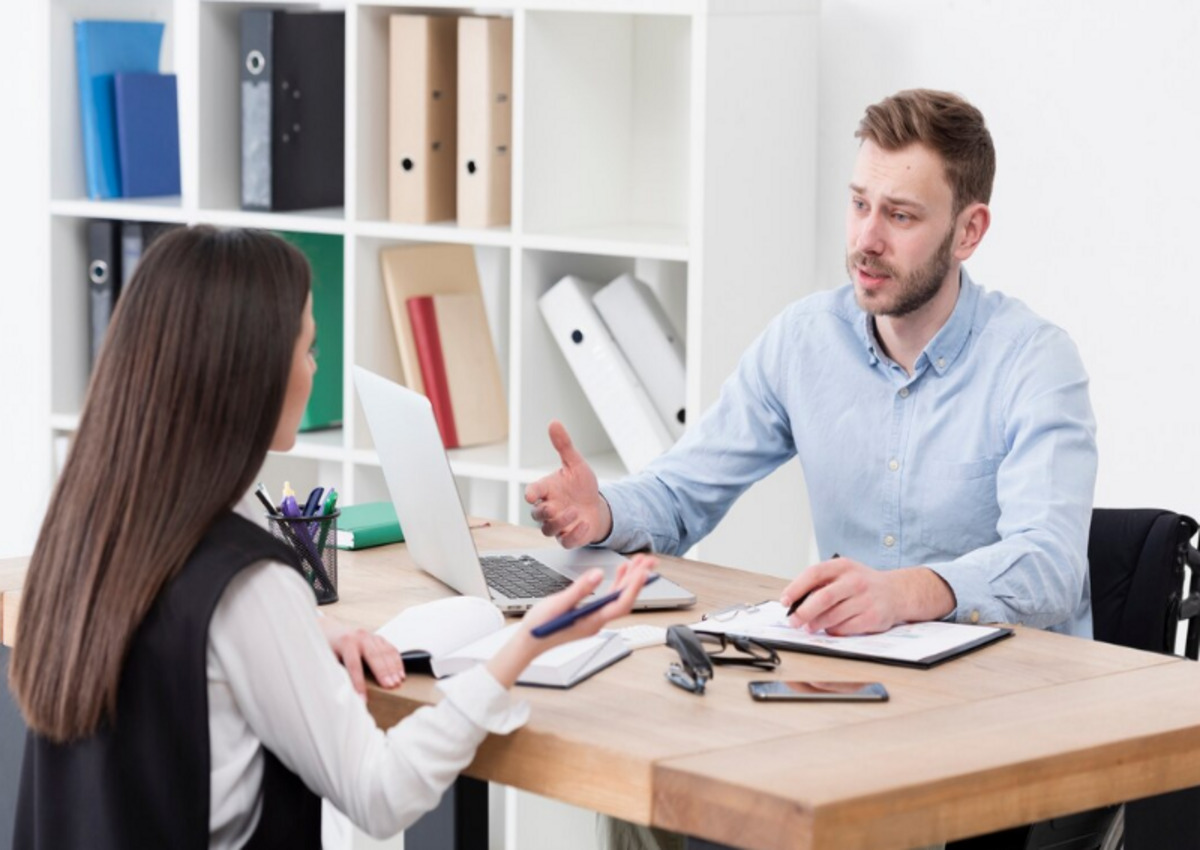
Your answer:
<point x="1035" y="726"/>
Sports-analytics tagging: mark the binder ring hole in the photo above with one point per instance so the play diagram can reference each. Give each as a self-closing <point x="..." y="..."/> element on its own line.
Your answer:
<point x="577" y="337"/>
<point x="470" y="166"/>
<point x="98" y="271"/>
<point x="255" y="62"/>
<point x="407" y="164"/>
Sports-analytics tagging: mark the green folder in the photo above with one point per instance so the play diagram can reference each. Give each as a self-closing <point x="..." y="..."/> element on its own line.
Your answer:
<point x="325" y="256"/>
<point x="369" y="524"/>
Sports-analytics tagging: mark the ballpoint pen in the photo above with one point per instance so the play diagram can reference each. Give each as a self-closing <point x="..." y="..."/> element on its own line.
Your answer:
<point x="800" y="601"/>
<point x="261" y="493"/>
<point x="312" y="508"/>
<point x="326" y="510"/>
<point x="314" y="501"/>
<point x="564" y="620"/>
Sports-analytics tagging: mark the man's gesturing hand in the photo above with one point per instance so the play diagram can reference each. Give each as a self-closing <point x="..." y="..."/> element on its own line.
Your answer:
<point x="567" y="502"/>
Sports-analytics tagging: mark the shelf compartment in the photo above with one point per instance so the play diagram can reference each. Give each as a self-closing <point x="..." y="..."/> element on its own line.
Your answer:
<point x="67" y="174"/>
<point x="607" y="122"/>
<point x="372" y="111"/>
<point x="220" y="117"/>
<point x="548" y="387"/>
<point x="375" y="345"/>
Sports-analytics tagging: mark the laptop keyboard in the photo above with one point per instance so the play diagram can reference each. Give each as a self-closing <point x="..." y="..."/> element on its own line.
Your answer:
<point x="521" y="577"/>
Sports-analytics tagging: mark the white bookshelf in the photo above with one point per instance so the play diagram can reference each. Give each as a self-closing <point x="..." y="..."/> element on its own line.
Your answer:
<point x="675" y="139"/>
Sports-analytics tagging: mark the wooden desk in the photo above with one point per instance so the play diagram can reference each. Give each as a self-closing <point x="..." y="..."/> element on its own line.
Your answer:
<point x="1036" y="726"/>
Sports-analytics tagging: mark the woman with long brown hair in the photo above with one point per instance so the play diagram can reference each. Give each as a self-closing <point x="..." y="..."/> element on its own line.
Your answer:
<point x="169" y="662"/>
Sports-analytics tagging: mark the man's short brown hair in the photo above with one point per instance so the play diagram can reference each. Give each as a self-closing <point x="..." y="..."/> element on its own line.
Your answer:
<point x="947" y="125"/>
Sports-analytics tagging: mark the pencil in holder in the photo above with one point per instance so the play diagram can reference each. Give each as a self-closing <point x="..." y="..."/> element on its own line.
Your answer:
<point x="312" y="539"/>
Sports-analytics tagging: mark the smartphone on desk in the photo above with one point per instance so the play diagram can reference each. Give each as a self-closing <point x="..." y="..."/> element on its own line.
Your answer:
<point x="777" y="689"/>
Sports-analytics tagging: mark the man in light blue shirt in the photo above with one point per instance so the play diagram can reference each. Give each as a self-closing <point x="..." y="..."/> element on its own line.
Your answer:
<point x="945" y="432"/>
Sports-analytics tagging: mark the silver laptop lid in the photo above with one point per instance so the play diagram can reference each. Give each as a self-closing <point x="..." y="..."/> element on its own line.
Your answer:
<point x="421" y="483"/>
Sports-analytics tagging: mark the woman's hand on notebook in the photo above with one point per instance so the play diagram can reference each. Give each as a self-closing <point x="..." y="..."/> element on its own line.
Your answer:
<point x="508" y="663"/>
<point x="567" y="502"/>
<point x="358" y="648"/>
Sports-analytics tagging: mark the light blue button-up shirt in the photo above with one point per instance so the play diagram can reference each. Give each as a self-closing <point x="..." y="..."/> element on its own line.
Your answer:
<point x="981" y="465"/>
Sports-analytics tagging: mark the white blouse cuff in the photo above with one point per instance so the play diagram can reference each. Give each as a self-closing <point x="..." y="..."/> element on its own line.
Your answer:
<point x="484" y="702"/>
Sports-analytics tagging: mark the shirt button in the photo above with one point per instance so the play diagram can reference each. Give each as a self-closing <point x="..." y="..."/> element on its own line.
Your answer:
<point x="904" y="392"/>
<point x="889" y="541"/>
<point x="941" y="362"/>
<point x="974" y="616"/>
<point x="893" y="464"/>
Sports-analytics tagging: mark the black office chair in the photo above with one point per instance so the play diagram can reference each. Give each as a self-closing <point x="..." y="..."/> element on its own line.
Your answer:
<point x="1136" y="560"/>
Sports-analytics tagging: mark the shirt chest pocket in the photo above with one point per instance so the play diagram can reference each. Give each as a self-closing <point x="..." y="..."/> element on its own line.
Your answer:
<point x="957" y="509"/>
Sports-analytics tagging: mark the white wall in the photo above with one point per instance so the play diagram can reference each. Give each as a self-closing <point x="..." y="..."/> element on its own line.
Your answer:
<point x="24" y="355"/>
<point x="1093" y="108"/>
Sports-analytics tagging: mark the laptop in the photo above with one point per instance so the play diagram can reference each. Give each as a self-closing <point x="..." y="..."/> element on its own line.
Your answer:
<point x="422" y="487"/>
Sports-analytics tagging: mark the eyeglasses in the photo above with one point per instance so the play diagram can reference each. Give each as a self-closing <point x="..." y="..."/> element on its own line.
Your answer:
<point x="698" y="653"/>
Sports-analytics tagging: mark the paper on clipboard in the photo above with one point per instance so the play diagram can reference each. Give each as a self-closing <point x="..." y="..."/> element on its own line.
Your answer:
<point x="914" y="644"/>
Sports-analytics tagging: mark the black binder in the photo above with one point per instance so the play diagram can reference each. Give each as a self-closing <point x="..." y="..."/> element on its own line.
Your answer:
<point x="293" y="75"/>
<point x="136" y="237"/>
<point x="104" y="279"/>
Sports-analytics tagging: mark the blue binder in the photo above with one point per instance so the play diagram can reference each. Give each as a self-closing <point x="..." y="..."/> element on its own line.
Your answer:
<point x="103" y="48"/>
<point x="147" y="134"/>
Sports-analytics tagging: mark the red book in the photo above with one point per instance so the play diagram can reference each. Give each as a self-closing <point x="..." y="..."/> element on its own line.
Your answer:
<point x="459" y="368"/>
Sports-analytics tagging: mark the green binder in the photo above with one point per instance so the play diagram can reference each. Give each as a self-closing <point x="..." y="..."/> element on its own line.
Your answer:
<point x="325" y="256"/>
<point x="369" y="524"/>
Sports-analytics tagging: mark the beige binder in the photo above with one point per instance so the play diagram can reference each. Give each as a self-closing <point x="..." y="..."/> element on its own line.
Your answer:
<point x="410" y="271"/>
<point x="484" y="121"/>
<point x="422" y="104"/>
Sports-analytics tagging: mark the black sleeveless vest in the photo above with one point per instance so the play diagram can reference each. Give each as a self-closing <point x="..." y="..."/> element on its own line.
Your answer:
<point x="143" y="780"/>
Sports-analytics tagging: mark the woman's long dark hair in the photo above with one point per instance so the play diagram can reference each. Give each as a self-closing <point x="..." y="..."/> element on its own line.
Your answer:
<point x="181" y="410"/>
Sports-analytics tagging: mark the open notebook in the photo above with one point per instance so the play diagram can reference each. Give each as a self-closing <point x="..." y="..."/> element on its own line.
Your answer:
<point x="909" y="644"/>
<point x="454" y="634"/>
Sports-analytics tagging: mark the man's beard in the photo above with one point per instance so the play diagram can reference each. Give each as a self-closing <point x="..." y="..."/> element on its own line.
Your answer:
<point x="914" y="290"/>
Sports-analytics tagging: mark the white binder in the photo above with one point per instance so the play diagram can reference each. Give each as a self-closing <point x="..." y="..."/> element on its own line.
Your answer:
<point x="619" y="399"/>
<point x="651" y="345"/>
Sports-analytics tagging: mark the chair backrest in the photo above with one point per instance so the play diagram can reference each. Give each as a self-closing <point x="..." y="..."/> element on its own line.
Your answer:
<point x="1136" y="560"/>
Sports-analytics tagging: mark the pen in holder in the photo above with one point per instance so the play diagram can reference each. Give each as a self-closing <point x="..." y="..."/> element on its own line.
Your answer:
<point x="312" y="538"/>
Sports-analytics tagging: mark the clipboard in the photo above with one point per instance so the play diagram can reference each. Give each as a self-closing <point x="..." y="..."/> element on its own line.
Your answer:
<point x="920" y="645"/>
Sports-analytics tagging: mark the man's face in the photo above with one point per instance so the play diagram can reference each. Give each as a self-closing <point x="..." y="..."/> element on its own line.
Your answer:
<point x="899" y="229"/>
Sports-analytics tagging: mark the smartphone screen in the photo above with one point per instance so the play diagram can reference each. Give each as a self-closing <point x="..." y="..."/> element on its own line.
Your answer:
<point x="819" y="691"/>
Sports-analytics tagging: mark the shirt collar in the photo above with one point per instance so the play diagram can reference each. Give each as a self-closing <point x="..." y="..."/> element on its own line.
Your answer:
<point x="947" y="343"/>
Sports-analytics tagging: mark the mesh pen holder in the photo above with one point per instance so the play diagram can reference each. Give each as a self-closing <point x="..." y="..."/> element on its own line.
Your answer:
<point x="312" y="539"/>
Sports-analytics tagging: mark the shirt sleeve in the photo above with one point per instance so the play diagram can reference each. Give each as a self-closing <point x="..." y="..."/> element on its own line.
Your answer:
<point x="682" y="495"/>
<point x="1037" y="573"/>
<point x="300" y="703"/>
